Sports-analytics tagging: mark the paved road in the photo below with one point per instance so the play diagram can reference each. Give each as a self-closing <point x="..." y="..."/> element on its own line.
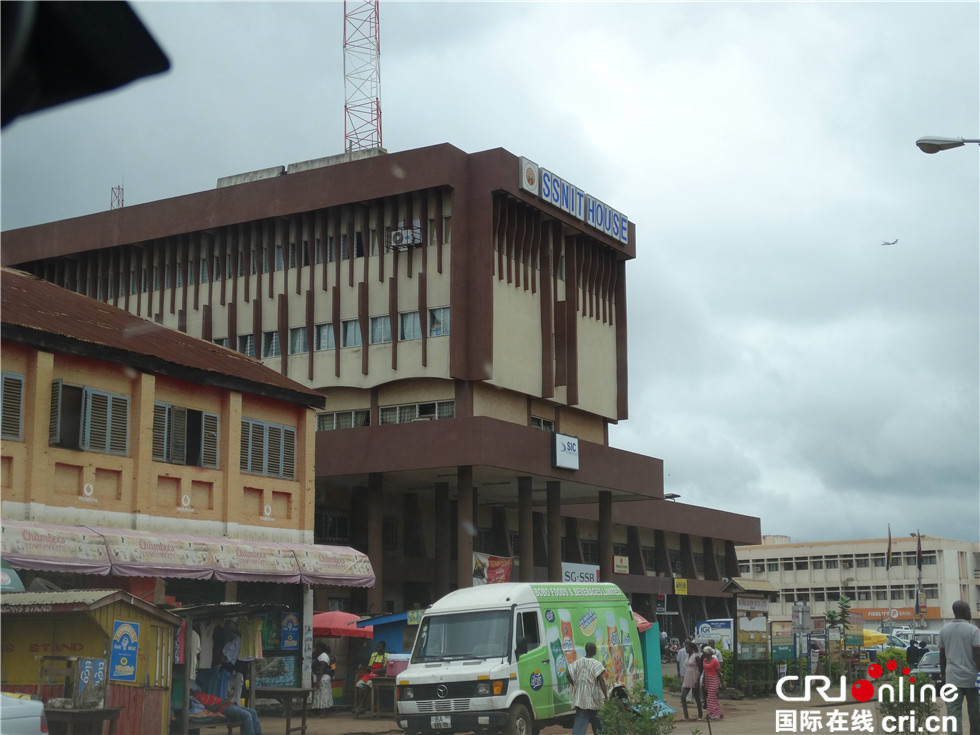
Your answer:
<point x="745" y="717"/>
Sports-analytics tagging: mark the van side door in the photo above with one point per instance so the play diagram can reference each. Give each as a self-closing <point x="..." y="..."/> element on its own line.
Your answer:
<point x="534" y="670"/>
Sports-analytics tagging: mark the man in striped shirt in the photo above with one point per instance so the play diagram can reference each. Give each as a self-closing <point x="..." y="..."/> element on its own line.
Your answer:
<point x="588" y="678"/>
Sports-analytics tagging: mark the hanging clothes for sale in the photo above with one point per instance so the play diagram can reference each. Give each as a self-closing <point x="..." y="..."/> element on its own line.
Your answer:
<point x="207" y="643"/>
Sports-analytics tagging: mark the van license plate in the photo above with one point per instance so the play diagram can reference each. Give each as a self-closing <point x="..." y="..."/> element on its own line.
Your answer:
<point x="441" y="722"/>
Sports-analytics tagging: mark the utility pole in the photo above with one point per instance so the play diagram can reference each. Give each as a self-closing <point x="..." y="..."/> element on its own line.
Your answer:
<point x="920" y="601"/>
<point x="362" y="75"/>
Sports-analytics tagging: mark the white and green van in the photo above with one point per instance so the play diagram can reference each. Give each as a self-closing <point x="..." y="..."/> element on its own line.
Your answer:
<point x="495" y="657"/>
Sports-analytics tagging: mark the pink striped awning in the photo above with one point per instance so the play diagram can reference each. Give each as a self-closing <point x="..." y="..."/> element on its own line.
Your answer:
<point x="128" y="553"/>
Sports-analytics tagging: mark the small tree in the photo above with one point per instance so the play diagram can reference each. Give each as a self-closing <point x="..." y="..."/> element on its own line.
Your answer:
<point x="838" y="619"/>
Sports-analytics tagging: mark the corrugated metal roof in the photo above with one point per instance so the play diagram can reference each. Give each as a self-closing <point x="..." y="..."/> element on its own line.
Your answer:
<point x="746" y="584"/>
<point x="42" y="314"/>
<point x="68" y="597"/>
<point x="30" y="603"/>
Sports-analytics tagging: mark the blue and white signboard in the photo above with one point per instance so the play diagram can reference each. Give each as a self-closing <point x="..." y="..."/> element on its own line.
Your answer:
<point x="125" y="646"/>
<point x="91" y="673"/>
<point x="564" y="451"/>
<point x="572" y="200"/>
<point x="289" y="632"/>
<point x="719" y="630"/>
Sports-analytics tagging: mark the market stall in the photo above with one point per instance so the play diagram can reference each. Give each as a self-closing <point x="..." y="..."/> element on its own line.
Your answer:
<point x="89" y="651"/>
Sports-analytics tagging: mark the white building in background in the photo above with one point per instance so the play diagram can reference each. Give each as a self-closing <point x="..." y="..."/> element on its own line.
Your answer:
<point x="820" y="572"/>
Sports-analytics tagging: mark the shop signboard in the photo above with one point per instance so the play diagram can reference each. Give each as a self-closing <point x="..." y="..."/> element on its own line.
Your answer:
<point x="289" y="632"/>
<point x="782" y="640"/>
<point x="719" y="630"/>
<point x="489" y="569"/>
<point x="579" y="572"/>
<point x="752" y="628"/>
<point x="854" y="630"/>
<point x="91" y="682"/>
<point x="124" y="650"/>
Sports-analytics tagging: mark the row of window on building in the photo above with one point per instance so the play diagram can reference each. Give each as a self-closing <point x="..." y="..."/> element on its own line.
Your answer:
<point x="409" y="328"/>
<point x="252" y="261"/>
<point x="91" y="420"/>
<point x="760" y="566"/>
<point x="404" y="413"/>
<point x="862" y="594"/>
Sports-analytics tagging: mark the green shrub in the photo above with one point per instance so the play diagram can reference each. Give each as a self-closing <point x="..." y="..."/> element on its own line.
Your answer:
<point x="920" y="710"/>
<point x="893" y="654"/>
<point x="673" y="683"/>
<point x="637" y="719"/>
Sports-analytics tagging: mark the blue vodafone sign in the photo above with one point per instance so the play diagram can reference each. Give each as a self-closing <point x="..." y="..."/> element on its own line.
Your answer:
<point x="572" y="200"/>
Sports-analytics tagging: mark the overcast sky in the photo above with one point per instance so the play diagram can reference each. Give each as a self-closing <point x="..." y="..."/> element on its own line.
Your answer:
<point x="783" y="362"/>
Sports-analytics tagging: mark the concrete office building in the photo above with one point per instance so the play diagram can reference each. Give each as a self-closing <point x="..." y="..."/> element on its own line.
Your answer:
<point x="465" y="317"/>
<point x="820" y="572"/>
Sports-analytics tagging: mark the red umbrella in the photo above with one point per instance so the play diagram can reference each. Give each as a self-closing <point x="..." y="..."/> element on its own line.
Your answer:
<point x="338" y="623"/>
<point x="642" y="623"/>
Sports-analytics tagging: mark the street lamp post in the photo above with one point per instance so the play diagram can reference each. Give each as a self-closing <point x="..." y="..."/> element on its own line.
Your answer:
<point x="934" y="145"/>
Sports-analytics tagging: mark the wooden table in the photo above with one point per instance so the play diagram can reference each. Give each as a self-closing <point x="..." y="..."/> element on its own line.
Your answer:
<point x="286" y="696"/>
<point x="381" y="684"/>
<point x="73" y="717"/>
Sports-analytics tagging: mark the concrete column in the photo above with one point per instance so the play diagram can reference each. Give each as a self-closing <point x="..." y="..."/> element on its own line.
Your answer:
<point x="38" y="489"/>
<point x="307" y="633"/>
<point x="554" y="531"/>
<point x="443" y="552"/>
<point x="465" y="528"/>
<point x="375" y="545"/>
<point x="605" y="536"/>
<point x="525" y="529"/>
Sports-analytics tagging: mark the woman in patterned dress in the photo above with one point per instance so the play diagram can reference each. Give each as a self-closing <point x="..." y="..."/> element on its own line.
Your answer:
<point x="322" y="681"/>
<point x="712" y="682"/>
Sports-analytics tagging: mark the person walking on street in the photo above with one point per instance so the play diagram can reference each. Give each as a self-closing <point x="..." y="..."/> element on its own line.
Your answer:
<point x="692" y="675"/>
<point x="588" y="678"/>
<point x="912" y="654"/>
<point x="712" y="682"/>
<point x="959" y="662"/>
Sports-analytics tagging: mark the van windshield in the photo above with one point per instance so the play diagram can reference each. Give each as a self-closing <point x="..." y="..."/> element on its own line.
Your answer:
<point x="484" y="634"/>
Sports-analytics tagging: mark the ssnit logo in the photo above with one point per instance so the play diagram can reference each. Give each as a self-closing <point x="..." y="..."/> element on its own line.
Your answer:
<point x="864" y="690"/>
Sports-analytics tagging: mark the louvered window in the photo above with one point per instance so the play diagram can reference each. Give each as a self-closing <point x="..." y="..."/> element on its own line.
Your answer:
<point x="12" y="416"/>
<point x="270" y="344"/>
<point x="88" y="419"/>
<point x="185" y="436"/>
<point x="246" y="345"/>
<point x="268" y="449"/>
<point x="105" y="422"/>
<point x="323" y="337"/>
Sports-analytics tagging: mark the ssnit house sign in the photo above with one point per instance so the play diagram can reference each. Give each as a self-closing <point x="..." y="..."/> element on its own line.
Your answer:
<point x="569" y="198"/>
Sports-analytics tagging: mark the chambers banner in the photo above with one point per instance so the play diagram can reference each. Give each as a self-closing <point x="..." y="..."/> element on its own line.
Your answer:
<point x="489" y="569"/>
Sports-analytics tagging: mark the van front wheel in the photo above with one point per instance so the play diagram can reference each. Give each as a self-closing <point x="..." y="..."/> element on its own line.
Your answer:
<point x="520" y="720"/>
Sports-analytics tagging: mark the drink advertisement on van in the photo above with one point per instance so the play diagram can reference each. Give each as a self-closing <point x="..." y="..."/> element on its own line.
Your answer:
<point x="496" y="657"/>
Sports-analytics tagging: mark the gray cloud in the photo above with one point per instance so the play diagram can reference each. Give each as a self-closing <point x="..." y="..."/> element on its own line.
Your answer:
<point x="782" y="362"/>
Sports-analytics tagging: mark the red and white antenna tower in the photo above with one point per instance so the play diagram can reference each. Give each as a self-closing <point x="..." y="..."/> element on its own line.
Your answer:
<point x="362" y="75"/>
